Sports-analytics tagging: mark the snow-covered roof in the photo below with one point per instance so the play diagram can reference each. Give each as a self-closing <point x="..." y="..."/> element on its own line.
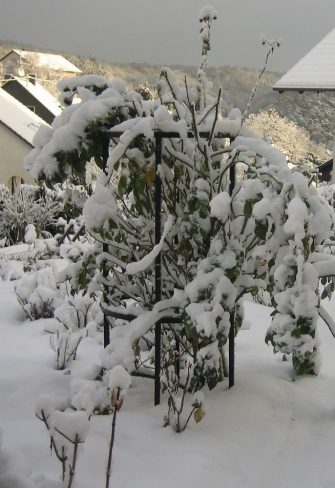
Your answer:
<point x="53" y="61"/>
<point x="41" y="94"/>
<point x="19" y="118"/>
<point x="315" y="71"/>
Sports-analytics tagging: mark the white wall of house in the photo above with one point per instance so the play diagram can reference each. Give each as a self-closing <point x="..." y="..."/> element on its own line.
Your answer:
<point x="13" y="150"/>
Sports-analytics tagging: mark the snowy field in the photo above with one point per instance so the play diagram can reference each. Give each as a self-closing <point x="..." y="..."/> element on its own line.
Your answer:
<point x="268" y="431"/>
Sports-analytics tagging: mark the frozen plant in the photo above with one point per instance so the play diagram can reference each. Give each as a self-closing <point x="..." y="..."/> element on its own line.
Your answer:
<point x="65" y="344"/>
<point x="11" y="269"/>
<point x="92" y="395"/>
<point x="119" y="382"/>
<point x="38" y="294"/>
<point x="217" y="244"/>
<point x="28" y="205"/>
<point x="176" y="416"/>
<point x="78" y="311"/>
<point x="67" y="430"/>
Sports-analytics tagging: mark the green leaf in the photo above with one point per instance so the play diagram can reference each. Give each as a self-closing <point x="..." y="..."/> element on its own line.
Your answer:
<point x="122" y="186"/>
<point x="261" y="230"/>
<point x="247" y="210"/>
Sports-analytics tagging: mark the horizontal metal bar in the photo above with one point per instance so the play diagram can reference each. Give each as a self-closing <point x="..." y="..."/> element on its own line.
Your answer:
<point x="130" y="317"/>
<point x="171" y="135"/>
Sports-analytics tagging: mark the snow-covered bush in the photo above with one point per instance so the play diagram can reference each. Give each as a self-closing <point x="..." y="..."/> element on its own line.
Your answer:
<point x="11" y="269"/>
<point x="28" y="205"/>
<point x="78" y="312"/>
<point x="292" y="140"/>
<point x="65" y="344"/>
<point x="179" y="413"/>
<point x="67" y="430"/>
<point x="78" y="316"/>
<point x="38" y="294"/>
<point x="92" y="396"/>
<point x="218" y="243"/>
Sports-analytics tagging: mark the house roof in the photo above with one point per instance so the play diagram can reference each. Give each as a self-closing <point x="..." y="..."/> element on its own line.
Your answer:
<point x="19" y="118"/>
<point x="326" y="165"/>
<point x="315" y="71"/>
<point x="40" y="94"/>
<point x="52" y="61"/>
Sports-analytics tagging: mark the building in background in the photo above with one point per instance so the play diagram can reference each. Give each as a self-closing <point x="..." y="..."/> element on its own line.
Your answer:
<point x="34" y="96"/>
<point x="18" y="126"/>
<point x="315" y="72"/>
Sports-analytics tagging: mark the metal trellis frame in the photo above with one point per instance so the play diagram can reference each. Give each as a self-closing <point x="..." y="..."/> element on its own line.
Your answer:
<point x="159" y="137"/>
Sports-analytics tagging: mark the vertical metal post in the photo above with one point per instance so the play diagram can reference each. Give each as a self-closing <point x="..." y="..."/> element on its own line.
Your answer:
<point x="231" y="337"/>
<point x="231" y="348"/>
<point x="158" y="264"/>
<point x="105" y="154"/>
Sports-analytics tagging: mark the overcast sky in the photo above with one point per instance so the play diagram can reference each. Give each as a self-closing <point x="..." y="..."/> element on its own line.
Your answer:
<point x="166" y="31"/>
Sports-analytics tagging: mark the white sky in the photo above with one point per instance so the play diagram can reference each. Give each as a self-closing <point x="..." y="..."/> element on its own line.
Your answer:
<point x="166" y="31"/>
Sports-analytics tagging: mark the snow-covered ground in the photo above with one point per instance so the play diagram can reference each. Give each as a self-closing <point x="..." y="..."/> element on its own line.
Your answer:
<point x="267" y="432"/>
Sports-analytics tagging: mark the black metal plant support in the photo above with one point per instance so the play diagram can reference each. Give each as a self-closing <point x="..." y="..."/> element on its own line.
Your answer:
<point x="159" y="137"/>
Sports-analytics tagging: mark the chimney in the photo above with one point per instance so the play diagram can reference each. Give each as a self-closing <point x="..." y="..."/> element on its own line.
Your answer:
<point x="32" y="78"/>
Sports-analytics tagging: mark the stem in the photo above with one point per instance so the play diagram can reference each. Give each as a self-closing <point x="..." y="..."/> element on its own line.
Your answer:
<point x="74" y="460"/>
<point x="111" y="444"/>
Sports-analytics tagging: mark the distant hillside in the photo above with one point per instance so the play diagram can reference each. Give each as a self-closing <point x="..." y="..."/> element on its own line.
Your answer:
<point x="313" y="112"/>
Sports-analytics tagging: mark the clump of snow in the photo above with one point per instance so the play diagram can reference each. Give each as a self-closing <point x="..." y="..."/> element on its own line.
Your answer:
<point x="133" y="268"/>
<point x="100" y="207"/>
<point x="30" y="235"/>
<point x="207" y="12"/>
<point x="220" y="206"/>
<point x="11" y="269"/>
<point x="119" y="378"/>
<point x="73" y="425"/>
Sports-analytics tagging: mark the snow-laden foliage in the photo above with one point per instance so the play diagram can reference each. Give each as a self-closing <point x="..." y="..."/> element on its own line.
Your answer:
<point x="29" y="205"/>
<point x="290" y="138"/>
<point x="38" y="294"/>
<point x="67" y="430"/>
<point x="217" y="243"/>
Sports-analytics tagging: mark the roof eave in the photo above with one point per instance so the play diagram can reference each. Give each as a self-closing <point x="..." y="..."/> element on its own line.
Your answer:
<point x="16" y="133"/>
<point x="301" y="89"/>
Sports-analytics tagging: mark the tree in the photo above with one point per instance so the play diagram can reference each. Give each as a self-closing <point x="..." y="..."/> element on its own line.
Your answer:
<point x="292" y="140"/>
<point x="215" y="246"/>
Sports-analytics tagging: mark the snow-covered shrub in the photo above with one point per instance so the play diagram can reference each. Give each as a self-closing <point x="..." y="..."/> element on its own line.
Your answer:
<point x="38" y="294"/>
<point x="28" y="205"/>
<point x="65" y="344"/>
<point x="78" y="311"/>
<point x="92" y="396"/>
<point x="179" y="412"/>
<point x="67" y="430"/>
<point x="218" y="243"/>
<point x="11" y="269"/>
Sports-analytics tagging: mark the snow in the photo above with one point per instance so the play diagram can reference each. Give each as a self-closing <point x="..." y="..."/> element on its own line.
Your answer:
<point x="119" y="378"/>
<point x="52" y="61"/>
<point x="207" y="12"/>
<point x="220" y="206"/>
<point x="137" y="267"/>
<point x="100" y="207"/>
<point x="315" y="71"/>
<point x="267" y="431"/>
<point x="73" y="424"/>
